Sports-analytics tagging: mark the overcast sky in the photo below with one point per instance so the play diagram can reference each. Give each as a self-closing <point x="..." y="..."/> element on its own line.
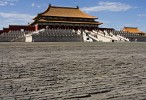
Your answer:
<point x="113" y="13"/>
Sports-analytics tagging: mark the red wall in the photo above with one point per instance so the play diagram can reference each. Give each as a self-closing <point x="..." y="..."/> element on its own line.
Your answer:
<point x="5" y="29"/>
<point x="19" y="27"/>
<point x="1" y="31"/>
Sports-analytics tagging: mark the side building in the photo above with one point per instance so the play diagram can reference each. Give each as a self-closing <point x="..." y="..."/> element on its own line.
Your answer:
<point x="132" y="33"/>
<point x="15" y="33"/>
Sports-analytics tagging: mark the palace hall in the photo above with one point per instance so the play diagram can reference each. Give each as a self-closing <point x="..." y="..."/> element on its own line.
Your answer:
<point x="68" y="24"/>
<point x="65" y="17"/>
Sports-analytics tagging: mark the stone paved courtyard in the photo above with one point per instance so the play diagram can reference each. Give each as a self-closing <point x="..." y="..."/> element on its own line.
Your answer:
<point x="72" y="71"/>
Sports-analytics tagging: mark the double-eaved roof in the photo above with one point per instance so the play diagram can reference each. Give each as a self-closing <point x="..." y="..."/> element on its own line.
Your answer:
<point x="65" y="15"/>
<point x="65" y="12"/>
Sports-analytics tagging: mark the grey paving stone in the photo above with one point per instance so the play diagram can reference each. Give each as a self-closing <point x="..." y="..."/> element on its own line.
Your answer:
<point x="72" y="71"/>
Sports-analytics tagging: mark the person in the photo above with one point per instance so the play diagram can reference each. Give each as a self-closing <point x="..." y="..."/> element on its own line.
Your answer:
<point x="47" y="27"/>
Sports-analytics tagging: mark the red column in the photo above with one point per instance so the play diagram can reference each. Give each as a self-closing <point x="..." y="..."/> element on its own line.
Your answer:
<point x="36" y="27"/>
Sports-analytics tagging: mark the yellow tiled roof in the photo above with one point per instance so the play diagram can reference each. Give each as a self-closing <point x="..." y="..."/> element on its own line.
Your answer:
<point x="65" y="12"/>
<point x="132" y="29"/>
